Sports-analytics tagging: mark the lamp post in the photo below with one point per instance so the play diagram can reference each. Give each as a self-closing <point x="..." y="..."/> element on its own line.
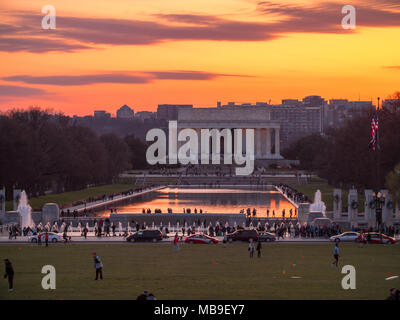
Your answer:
<point x="379" y="201"/>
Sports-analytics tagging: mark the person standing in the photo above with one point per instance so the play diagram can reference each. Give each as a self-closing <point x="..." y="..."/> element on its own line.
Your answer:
<point x="9" y="274"/>
<point x="251" y="248"/>
<point x="39" y="239"/>
<point x="258" y="249"/>
<point x="85" y="232"/>
<point x="176" y="242"/>
<point x="46" y="238"/>
<point x="98" y="266"/>
<point x="336" y="255"/>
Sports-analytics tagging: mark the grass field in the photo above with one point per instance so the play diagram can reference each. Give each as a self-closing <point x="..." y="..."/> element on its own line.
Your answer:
<point x="66" y="198"/>
<point x="201" y="271"/>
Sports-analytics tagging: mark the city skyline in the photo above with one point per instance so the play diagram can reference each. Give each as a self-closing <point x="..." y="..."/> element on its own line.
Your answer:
<point x="109" y="53"/>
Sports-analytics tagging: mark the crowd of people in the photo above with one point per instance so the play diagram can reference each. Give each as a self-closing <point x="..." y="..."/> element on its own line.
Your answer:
<point x="293" y="194"/>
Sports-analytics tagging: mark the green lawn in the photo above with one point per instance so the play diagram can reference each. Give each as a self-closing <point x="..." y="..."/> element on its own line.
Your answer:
<point x="67" y="198"/>
<point x="201" y="271"/>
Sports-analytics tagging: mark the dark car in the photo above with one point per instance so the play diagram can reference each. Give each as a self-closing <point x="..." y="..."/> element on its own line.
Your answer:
<point x="242" y="235"/>
<point x="145" y="235"/>
<point x="266" y="237"/>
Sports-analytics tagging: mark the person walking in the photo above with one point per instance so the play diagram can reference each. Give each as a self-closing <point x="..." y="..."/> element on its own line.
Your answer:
<point x="258" y="249"/>
<point x="251" y="248"/>
<point x="46" y="238"/>
<point x="9" y="274"/>
<point x="39" y="239"/>
<point x="176" y="242"/>
<point x="98" y="266"/>
<point x="336" y="255"/>
<point x="85" y="232"/>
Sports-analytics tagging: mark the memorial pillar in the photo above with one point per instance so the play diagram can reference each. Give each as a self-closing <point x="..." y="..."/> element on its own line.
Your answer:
<point x="258" y="143"/>
<point x="268" y="143"/>
<point x="277" y="146"/>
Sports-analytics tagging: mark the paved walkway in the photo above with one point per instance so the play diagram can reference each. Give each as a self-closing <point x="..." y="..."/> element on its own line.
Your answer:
<point x="100" y="203"/>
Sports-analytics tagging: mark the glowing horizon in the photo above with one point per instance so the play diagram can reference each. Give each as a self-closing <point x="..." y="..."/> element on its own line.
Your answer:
<point x="105" y="54"/>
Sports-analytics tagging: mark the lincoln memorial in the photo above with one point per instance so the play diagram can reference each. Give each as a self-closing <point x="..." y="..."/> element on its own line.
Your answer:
<point x="266" y="131"/>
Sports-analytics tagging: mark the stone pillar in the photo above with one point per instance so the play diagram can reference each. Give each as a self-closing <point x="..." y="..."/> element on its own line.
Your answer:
<point x="243" y="141"/>
<point x="268" y="143"/>
<point x="16" y="195"/>
<point x="198" y="131"/>
<point x="370" y="214"/>
<point x="387" y="208"/>
<point x="258" y="142"/>
<point x="3" y="200"/>
<point x="277" y="143"/>
<point x="352" y="213"/>
<point x="337" y="204"/>
<point x="50" y="213"/>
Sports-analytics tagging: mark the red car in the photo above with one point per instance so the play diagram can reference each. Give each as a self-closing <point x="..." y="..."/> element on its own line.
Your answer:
<point x="201" y="238"/>
<point x="378" y="238"/>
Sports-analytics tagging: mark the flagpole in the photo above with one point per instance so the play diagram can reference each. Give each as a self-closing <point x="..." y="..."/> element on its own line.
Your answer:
<point x="377" y="150"/>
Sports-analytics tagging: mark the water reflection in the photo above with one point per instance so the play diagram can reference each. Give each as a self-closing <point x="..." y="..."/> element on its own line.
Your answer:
<point x="209" y="200"/>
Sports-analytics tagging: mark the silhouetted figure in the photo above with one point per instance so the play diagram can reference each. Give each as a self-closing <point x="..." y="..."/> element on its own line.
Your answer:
<point x="9" y="274"/>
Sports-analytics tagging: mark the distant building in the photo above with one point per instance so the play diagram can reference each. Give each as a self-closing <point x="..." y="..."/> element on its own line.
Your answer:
<point x="297" y="118"/>
<point x="145" y="115"/>
<point x="170" y="111"/>
<point x="101" y="114"/>
<point x="339" y="110"/>
<point x="125" y="112"/>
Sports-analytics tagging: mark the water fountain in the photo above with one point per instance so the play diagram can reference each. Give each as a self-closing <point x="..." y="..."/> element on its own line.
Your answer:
<point x="80" y="227"/>
<point x="317" y="208"/>
<point x="25" y="210"/>
<point x="128" y="227"/>
<point x="70" y="227"/>
<point x="120" y="227"/>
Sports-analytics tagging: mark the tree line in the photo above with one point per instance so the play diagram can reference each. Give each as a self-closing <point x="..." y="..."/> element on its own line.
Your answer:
<point x="41" y="151"/>
<point x="343" y="157"/>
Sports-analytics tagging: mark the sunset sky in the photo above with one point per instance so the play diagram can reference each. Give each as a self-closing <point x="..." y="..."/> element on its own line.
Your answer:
<point x="106" y="53"/>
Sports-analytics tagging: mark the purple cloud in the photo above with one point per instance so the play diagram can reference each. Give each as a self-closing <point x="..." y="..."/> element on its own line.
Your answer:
<point x="16" y="91"/>
<point x="65" y="80"/>
<point x="189" y="75"/>
<point x="124" y="78"/>
<point x="77" y="33"/>
<point x="37" y="45"/>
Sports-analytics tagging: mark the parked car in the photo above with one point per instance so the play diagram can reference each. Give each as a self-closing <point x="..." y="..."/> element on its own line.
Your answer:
<point x="378" y="238"/>
<point x="145" y="235"/>
<point x="350" y="236"/>
<point x="53" y="237"/>
<point x="201" y="238"/>
<point x="266" y="236"/>
<point x="242" y="235"/>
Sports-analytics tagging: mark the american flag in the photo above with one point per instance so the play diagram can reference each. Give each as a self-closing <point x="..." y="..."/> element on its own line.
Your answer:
<point x="374" y="131"/>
